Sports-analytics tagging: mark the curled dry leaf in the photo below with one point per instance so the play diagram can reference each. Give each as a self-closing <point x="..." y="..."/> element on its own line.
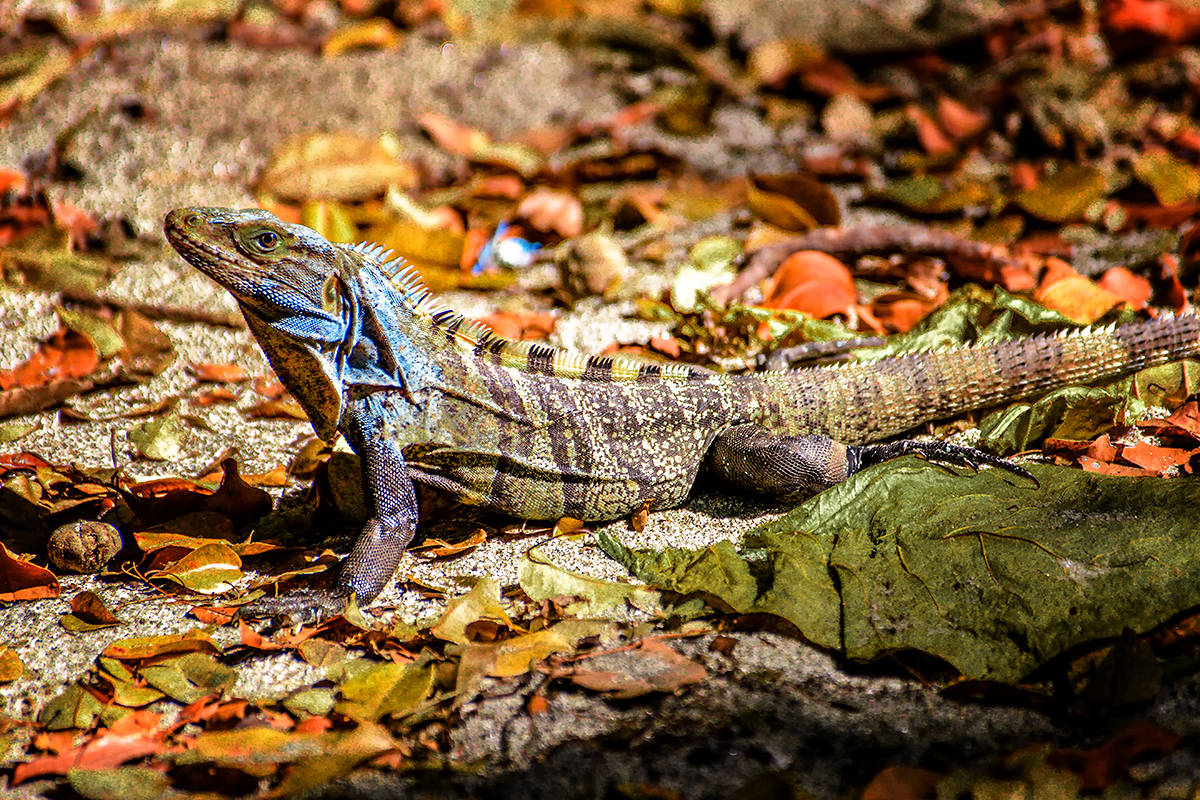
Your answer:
<point x="813" y="282"/>
<point x="793" y="201"/>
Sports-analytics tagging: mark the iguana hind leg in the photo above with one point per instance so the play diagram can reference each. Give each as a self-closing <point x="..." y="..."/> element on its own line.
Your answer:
<point x="791" y="467"/>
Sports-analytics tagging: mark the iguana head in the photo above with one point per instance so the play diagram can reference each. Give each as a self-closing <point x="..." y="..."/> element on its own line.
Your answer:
<point x="292" y="289"/>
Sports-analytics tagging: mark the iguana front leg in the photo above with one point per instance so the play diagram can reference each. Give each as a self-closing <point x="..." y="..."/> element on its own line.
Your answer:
<point x="376" y="552"/>
<point x="790" y="467"/>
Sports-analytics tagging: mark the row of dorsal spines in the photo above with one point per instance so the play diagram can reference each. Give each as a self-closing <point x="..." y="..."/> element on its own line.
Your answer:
<point x="477" y="339"/>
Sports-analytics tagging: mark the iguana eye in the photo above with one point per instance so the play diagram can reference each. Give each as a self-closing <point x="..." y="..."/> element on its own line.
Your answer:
<point x="267" y="240"/>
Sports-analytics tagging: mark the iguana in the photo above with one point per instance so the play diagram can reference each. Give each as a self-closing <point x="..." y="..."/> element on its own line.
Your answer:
<point x="423" y="394"/>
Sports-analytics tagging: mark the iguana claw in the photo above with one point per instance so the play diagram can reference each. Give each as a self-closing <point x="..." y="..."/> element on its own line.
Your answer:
<point x="936" y="451"/>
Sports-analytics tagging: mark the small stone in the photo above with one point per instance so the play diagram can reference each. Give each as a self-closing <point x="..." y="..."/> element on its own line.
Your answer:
<point x="84" y="546"/>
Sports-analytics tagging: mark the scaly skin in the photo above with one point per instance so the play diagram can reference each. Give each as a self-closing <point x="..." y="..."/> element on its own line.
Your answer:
<point x="423" y="395"/>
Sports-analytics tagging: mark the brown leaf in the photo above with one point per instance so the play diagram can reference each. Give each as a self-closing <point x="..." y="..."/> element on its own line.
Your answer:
<point x="437" y="548"/>
<point x="102" y="750"/>
<point x="813" y="282"/>
<point x="1184" y="421"/>
<point x="89" y="607"/>
<point x="66" y="354"/>
<point x="901" y="782"/>
<point x="1066" y="291"/>
<point x="958" y="120"/>
<point x="22" y="580"/>
<point x="1155" y="458"/>
<point x="931" y="137"/>
<point x="1101" y="767"/>
<point x="660" y="669"/>
<point x="794" y="201"/>
<point x="285" y="408"/>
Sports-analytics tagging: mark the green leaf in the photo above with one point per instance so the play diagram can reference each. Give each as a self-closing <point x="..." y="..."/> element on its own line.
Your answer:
<point x="75" y="707"/>
<point x="1066" y="195"/>
<point x="542" y="580"/>
<point x="189" y="677"/>
<point x="160" y="439"/>
<point x="984" y="571"/>
<point x="1172" y="179"/>
<point x="127" y="783"/>
<point x="386" y="689"/>
<point x="103" y="336"/>
<point x="209" y="569"/>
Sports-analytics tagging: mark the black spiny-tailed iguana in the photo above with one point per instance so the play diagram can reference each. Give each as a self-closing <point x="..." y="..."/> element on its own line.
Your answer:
<point x="422" y="394"/>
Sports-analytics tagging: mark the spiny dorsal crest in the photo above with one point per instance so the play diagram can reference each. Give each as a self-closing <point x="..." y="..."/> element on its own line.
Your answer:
<point x="476" y="338"/>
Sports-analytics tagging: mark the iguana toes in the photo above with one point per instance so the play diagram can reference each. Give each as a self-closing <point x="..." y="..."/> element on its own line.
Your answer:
<point x="424" y="395"/>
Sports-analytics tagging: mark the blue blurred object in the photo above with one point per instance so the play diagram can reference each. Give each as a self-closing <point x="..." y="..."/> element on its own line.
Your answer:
<point x="512" y="252"/>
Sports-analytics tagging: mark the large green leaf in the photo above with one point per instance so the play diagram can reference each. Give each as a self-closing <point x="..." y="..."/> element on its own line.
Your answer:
<point x="985" y="571"/>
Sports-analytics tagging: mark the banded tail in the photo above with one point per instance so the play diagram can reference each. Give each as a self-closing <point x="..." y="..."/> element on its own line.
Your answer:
<point x="867" y="401"/>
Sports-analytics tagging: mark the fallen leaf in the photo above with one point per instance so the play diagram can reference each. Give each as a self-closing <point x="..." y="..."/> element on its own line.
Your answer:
<point x="813" y="282"/>
<point x="209" y="569"/>
<point x="1156" y="458"/>
<point x="1066" y="291"/>
<point x="521" y="325"/>
<point x="652" y="667"/>
<point x="792" y="201"/>
<point x="375" y="33"/>
<point x="553" y="211"/>
<point x="22" y="580"/>
<point x="437" y="548"/>
<point x="1066" y="195"/>
<point x="1172" y="179"/>
<point x="932" y="138"/>
<point x="335" y="166"/>
<point x="960" y="121"/>
<point x="140" y="647"/>
<point x="481" y="603"/>
<point x="11" y="666"/>
<point x="1133" y="289"/>
<point x="220" y="373"/>
<point x="385" y="689"/>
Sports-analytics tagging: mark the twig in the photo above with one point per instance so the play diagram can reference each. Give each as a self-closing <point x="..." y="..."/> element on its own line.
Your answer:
<point x="964" y="254"/>
<point x="172" y="313"/>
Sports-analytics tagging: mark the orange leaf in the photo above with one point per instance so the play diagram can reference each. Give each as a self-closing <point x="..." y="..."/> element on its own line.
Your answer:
<point x="958" y="120"/>
<point x="105" y="749"/>
<point x="901" y="783"/>
<point x="521" y="325"/>
<point x="813" y="282"/>
<point x="1066" y="291"/>
<point x="929" y="134"/>
<point x="65" y="355"/>
<point x="1133" y="289"/>
<point x="1158" y="459"/>
<point x="220" y="373"/>
<point x="21" y="580"/>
